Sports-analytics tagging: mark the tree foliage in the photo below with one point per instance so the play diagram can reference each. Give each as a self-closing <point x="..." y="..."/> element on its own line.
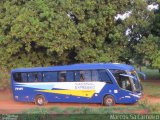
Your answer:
<point x="152" y="44"/>
<point x="52" y="32"/>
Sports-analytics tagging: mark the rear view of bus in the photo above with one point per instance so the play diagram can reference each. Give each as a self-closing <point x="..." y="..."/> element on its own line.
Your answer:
<point x="105" y="83"/>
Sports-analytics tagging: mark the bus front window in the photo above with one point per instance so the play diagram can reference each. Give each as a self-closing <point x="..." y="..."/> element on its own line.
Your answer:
<point x="126" y="84"/>
<point x="137" y="81"/>
<point x="123" y="81"/>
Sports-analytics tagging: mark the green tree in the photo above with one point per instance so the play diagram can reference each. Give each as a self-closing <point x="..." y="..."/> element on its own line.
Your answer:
<point x="47" y="32"/>
<point x="139" y="26"/>
<point x="156" y="33"/>
<point x="149" y="47"/>
<point x="35" y="33"/>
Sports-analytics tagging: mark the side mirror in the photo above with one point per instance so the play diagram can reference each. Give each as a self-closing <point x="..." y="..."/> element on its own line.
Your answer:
<point x="142" y="75"/>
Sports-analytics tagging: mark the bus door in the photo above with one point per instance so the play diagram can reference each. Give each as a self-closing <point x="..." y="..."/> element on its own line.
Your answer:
<point x="125" y="84"/>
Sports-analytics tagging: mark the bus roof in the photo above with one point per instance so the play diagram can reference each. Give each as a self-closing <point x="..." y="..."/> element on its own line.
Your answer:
<point x="82" y="66"/>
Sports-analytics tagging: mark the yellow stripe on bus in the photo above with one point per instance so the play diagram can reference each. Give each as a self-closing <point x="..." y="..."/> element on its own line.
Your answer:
<point x="82" y="93"/>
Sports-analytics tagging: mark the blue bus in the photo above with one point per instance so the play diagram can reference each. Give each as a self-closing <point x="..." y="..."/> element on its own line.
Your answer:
<point x="105" y="83"/>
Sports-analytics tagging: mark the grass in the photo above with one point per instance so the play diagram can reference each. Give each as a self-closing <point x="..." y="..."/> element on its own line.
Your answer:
<point x="78" y="113"/>
<point x="151" y="74"/>
<point x="151" y="108"/>
<point x="84" y="110"/>
<point x="151" y="88"/>
<point x="87" y="113"/>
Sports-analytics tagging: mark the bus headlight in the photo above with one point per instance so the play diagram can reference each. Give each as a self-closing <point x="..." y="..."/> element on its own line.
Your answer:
<point x="16" y="97"/>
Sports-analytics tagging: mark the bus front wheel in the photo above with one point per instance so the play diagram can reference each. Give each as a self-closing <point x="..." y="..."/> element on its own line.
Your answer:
<point x="108" y="100"/>
<point x="40" y="100"/>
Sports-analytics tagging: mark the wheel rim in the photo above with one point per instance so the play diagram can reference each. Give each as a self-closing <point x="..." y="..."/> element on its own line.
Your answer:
<point x="109" y="100"/>
<point x="40" y="101"/>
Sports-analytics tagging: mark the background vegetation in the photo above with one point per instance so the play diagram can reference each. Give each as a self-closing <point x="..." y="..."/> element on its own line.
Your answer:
<point x="51" y="32"/>
<point x="55" y="32"/>
<point x="88" y="113"/>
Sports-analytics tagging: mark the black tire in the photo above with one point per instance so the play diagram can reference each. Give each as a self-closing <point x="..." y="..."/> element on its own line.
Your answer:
<point x="108" y="100"/>
<point x="40" y="100"/>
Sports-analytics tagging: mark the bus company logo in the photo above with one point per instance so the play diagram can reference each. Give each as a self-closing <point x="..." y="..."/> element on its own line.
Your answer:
<point x="18" y="88"/>
<point x="86" y="86"/>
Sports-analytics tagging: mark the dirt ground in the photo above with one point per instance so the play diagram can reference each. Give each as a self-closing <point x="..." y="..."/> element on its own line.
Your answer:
<point x="9" y="106"/>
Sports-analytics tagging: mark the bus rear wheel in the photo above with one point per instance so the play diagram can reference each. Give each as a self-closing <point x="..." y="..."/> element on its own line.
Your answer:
<point x="108" y="100"/>
<point x="40" y="100"/>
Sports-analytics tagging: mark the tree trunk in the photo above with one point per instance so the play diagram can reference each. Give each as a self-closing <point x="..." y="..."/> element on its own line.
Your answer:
<point x="140" y="69"/>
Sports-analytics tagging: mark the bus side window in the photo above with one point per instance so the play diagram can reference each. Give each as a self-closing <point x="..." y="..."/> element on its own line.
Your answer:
<point x="83" y="76"/>
<point x="87" y="75"/>
<point x="24" y="77"/>
<point x="104" y="76"/>
<point x="95" y="75"/>
<point x="62" y="76"/>
<point x="17" y="77"/>
<point x="70" y="76"/>
<point x="38" y="77"/>
<point x="31" y="77"/>
<point x="50" y="77"/>
<point x="77" y="76"/>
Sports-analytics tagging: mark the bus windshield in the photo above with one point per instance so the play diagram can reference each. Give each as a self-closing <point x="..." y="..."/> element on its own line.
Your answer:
<point x="136" y="80"/>
<point x="128" y="83"/>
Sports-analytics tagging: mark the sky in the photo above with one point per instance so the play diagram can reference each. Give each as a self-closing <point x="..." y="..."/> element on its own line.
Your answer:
<point x="128" y="13"/>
